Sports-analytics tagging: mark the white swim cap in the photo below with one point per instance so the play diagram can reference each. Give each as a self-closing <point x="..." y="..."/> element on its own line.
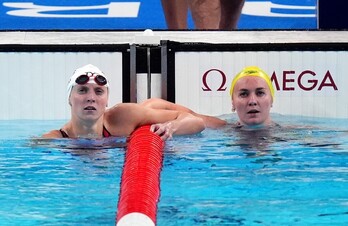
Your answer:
<point x="85" y="70"/>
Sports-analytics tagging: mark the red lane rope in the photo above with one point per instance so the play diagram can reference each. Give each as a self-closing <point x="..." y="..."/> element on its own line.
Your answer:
<point x="140" y="182"/>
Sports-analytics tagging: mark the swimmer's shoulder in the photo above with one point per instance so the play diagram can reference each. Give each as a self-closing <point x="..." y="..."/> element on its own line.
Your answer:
<point x="52" y="134"/>
<point x="121" y="107"/>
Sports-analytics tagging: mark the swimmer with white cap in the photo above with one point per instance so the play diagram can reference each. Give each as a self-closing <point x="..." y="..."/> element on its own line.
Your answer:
<point x="82" y="75"/>
<point x="88" y="93"/>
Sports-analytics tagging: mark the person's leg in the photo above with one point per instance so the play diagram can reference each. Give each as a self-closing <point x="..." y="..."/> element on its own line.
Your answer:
<point x="156" y="103"/>
<point x="230" y="13"/>
<point x="175" y="12"/>
<point x="205" y="13"/>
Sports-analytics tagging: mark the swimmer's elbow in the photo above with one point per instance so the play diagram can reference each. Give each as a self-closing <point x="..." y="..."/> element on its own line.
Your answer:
<point x="199" y="126"/>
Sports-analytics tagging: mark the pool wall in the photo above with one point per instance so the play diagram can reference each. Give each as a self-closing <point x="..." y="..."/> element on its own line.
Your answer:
<point x="193" y="68"/>
<point x="35" y="83"/>
<point x="308" y="81"/>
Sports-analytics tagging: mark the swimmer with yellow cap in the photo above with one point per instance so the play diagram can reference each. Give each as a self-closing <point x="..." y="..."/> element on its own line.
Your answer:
<point x="251" y="83"/>
<point x="252" y="71"/>
<point x="252" y="95"/>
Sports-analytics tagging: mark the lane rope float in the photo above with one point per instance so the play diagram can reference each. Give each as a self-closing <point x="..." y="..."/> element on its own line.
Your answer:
<point x="140" y="182"/>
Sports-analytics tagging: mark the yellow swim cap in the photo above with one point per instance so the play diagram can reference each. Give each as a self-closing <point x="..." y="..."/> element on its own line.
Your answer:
<point x="252" y="71"/>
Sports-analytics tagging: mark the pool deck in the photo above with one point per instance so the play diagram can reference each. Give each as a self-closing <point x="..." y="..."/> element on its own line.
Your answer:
<point x="122" y="37"/>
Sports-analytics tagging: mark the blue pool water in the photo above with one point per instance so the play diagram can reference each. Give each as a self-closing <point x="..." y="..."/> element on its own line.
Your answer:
<point x="296" y="174"/>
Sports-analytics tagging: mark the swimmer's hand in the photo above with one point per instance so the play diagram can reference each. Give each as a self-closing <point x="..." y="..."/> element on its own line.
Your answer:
<point x="164" y="130"/>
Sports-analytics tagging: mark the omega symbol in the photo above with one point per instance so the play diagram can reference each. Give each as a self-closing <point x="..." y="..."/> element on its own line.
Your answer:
<point x="205" y="84"/>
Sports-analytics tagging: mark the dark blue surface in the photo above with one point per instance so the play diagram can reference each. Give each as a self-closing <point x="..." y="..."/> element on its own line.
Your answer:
<point x="150" y="15"/>
<point x="333" y="16"/>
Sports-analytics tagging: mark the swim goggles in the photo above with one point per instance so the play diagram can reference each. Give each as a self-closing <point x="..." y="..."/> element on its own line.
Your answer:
<point x="84" y="79"/>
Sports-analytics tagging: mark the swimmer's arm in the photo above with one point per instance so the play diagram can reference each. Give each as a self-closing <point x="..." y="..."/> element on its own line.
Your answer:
<point x="209" y="121"/>
<point x="212" y="122"/>
<point x="168" y="122"/>
<point x="52" y="134"/>
<point x="184" y="123"/>
<point x="131" y="116"/>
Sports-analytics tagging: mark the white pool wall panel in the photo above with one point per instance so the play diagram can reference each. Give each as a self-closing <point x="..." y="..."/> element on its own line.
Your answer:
<point x="307" y="80"/>
<point x="34" y="84"/>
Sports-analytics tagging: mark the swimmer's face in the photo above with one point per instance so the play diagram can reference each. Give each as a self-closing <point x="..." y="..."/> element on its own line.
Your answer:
<point x="88" y="101"/>
<point x="252" y="100"/>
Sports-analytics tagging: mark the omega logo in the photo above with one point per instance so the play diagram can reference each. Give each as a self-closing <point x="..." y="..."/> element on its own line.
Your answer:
<point x="304" y="78"/>
<point x="205" y="83"/>
<point x="287" y="81"/>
